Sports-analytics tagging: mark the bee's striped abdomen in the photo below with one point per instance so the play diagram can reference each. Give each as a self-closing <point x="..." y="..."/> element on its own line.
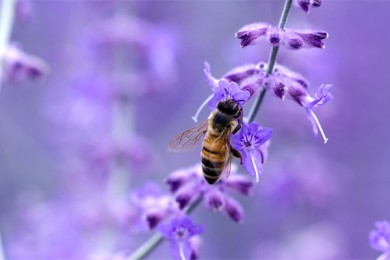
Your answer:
<point x="213" y="158"/>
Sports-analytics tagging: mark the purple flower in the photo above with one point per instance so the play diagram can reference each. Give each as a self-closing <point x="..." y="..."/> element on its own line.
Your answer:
<point x="154" y="205"/>
<point x="305" y="5"/>
<point x="226" y="91"/>
<point x="18" y="65"/>
<point x="291" y="39"/>
<point x="155" y="48"/>
<point x="240" y="73"/>
<point x="294" y="181"/>
<point x="190" y="184"/>
<point x="286" y="83"/>
<point x="250" y="34"/>
<point x="380" y="239"/>
<point x="179" y="232"/>
<point x="312" y="38"/>
<point x="249" y="142"/>
<point x="322" y="97"/>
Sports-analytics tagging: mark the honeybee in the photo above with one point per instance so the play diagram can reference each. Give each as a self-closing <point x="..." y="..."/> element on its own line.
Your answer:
<point x="216" y="150"/>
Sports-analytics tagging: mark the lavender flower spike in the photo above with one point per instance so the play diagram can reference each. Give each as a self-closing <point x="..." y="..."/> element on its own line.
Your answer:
<point x="250" y="34"/>
<point x="179" y="231"/>
<point x="249" y="143"/>
<point x="380" y="239"/>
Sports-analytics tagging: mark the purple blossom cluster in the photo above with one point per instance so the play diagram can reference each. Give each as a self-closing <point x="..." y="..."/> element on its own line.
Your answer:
<point x="380" y="239"/>
<point x="160" y="211"/>
<point x="189" y="185"/>
<point x="250" y="79"/>
<point x="251" y="34"/>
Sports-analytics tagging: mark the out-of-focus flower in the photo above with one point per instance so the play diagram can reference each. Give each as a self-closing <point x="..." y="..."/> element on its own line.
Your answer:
<point x="249" y="142"/>
<point x="380" y="239"/>
<point x="24" y="9"/>
<point x="150" y="47"/>
<point x="305" y="5"/>
<point x="296" y="179"/>
<point x="18" y="65"/>
<point x="134" y="152"/>
<point x="179" y="232"/>
<point x="189" y="184"/>
<point x="292" y="39"/>
<point x="154" y="205"/>
<point x="321" y="241"/>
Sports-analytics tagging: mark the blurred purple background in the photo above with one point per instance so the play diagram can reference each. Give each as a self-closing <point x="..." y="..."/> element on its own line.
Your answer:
<point x="314" y="201"/>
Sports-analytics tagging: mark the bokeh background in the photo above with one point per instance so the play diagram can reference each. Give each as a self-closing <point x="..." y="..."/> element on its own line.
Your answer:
<point x="126" y="76"/>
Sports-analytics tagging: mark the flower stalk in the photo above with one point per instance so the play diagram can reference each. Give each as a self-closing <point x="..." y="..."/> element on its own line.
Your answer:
<point x="271" y="62"/>
<point x="7" y="13"/>
<point x="147" y="248"/>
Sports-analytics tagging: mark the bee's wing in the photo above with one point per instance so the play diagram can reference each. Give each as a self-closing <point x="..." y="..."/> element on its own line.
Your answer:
<point x="188" y="139"/>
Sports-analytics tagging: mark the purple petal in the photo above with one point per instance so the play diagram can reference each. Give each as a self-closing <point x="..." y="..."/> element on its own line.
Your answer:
<point x="274" y="36"/>
<point x="313" y="38"/>
<point x="233" y="210"/>
<point x="154" y="217"/>
<point x="177" y="179"/>
<point x="252" y="84"/>
<point x="322" y="97"/>
<point x="380" y="237"/>
<point x="304" y="4"/>
<point x="264" y="134"/>
<point x="187" y="194"/>
<point x="316" y="3"/>
<point x="252" y="162"/>
<point x="239" y="73"/>
<point x="251" y="33"/>
<point x="214" y="199"/>
<point x="239" y="184"/>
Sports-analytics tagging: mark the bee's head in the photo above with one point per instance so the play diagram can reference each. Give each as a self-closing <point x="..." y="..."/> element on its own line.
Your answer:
<point x="229" y="107"/>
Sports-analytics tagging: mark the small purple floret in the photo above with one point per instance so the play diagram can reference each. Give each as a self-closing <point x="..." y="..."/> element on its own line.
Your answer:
<point x="179" y="232"/>
<point x="251" y="33"/>
<point x="226" y="91"/>
<point x="249" y="143"/>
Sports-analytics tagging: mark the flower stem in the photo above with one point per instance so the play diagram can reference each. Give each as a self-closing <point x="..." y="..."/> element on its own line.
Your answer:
<point x="7" y="13"/>
<point x="271" y="62"/>
<point x="143" y="251"/>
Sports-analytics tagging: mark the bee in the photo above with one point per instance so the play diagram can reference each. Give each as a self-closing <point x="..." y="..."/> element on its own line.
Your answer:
<point x="215" y="132"/>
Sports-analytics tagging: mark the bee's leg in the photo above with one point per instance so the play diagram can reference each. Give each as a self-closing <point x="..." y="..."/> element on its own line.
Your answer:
<point x="236" y="154"/>
<point x="239" y="123"/>
<point x="237" y="128"/>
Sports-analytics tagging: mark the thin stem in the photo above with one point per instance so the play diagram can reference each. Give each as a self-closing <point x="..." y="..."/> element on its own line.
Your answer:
<point x="7" y="13"/>
<point x="271" y="62"/>
<point x="147" y="248"/>
<point x="2" y="254"/>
